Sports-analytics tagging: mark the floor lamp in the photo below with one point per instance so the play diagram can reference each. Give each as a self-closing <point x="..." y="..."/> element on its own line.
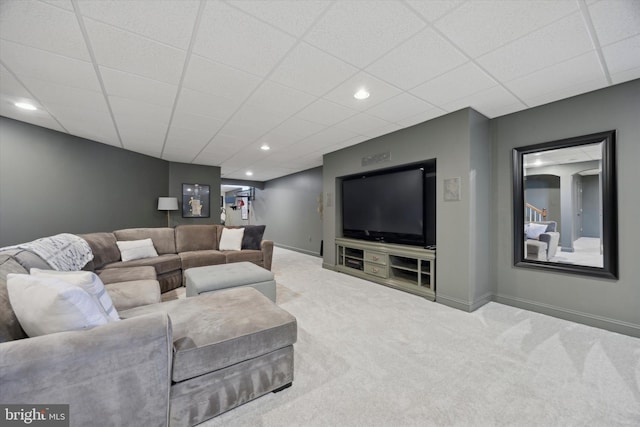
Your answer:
<point x="168" y="204"/>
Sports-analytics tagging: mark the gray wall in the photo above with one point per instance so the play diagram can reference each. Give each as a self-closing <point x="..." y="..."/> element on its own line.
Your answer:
<point x="184" y="173"/>
<point x="463" y="267"/>
<point x="51" y="182"/>
<point x="611" y="304"/>
<point x="289" y="206"/>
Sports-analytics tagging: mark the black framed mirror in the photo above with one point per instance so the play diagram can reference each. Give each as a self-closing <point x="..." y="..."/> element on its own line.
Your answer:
<point x="565" y="206"/>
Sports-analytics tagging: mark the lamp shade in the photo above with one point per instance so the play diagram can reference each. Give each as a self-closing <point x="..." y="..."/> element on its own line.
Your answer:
<point x="167" y="203"/>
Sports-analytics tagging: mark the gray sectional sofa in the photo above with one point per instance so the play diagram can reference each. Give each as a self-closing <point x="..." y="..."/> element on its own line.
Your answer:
<point x="176" y="363"/>
<point x="178" y="248"/>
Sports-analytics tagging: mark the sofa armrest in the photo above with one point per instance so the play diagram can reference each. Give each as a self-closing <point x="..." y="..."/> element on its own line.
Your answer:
<point x="267" y="253"/>
<point x="114" y="374"/>
<point x="551" y="238"/>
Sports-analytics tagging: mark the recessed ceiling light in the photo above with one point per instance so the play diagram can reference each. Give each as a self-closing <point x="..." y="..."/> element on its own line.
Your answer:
<point x="25" y="106"/>
<point x="361" y="94"/>
<point x="249" y="173"/>
<point x="265" y="147"/>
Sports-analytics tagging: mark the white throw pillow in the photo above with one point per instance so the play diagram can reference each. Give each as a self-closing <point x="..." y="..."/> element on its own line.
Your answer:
<point x="136" y="249"/>
<point x="44" y="305"/>
<point x="231" y="239"/>
<point x="88" y="281"/>
<point x="534" y="230"/>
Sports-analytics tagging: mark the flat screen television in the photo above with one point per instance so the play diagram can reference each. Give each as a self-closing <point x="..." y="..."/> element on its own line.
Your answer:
<point x="393" y="206"/>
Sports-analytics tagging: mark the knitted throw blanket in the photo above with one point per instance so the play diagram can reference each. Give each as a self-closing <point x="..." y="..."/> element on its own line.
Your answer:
<point x="63" y="252"/>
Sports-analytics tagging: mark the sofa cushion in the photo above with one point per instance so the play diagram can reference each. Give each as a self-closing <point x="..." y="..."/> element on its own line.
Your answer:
<point x="88" y="281"/>
<point x="104" y="248"/>
<point x="134" y="293"/>
<point x="216" y="330"/>
<point x="136" y="249"/>
<point x="255" y="257"/>
<point x="162" y="263"/>
<point x="26" y="259"/>
<point x="201" y="258"/>
<point x="533" y="230"/>
<point x="10" y="328"/>
<point x="196" y="237"/>
<point x="125" y="274"/>
<point x="44" y="305"/>
<point x="163" y="238"/>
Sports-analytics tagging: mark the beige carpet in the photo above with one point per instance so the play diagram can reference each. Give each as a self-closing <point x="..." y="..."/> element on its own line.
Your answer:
<point x="368" y="356"/>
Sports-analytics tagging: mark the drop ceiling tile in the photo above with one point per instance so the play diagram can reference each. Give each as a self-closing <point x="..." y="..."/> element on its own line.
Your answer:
<point x="191" y="130"/>
<point x="615" y="20"/>
<point x="63" y="4"/>
<point x="232" y="37"/>
<point x="49" y="93"/>
<point x="427" y="52"/>
<point x="249" y="123"/>
<point x="360" y="33"/>
<point x="121" y="50"/>
<point x="325" y="138"/>
<point x="167" y="21"/>
<point x="492" y="102"/>
<point x="566" y="92"/>
<point x="625" y="76"/>
<point x="344" y="144"/>
<point x="311" y="70"/>
<point x="127" y="85"/>
<point x="399" y="107"/>
<point x="13" y="89"/>
<point x="132" y="110"/>
<point x="432" y="10"/>
<point x="562" y="40"/>
<point x="363" y="124"/>
<point x="581" y="69"/>
<point x="459" y="83"/>
<point x="379" y="90"/>
<point x="421" y="117"/>
<point x="275" y="97"/>
<point x="217" y="79"/>
<point x="623" y="56"/>
<point x="146" y="137"/>
<point x="292" y="130"/>
<point x="38" y="118"/>
<point x="178" y="157"/>
<point x="326" y="113"/>
<point x="49" y="67"/>
<point x="292" y="16"/>
<point x="94" y="124"/>
<point x="479" y="27"/>
<point x="43" y="26"/>
<point x="202" y="104"/>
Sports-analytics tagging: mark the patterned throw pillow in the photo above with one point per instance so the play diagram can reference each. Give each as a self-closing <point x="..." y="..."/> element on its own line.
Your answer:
<point x="88" y="281"/>
<point x="44" y="305"/>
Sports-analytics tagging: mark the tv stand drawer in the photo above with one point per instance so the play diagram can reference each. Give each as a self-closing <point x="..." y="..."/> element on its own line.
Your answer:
<point x="376" y="257"/>
<point x="376" y="270"/>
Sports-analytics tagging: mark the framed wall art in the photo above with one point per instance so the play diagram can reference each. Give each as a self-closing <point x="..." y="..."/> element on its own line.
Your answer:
<point x="195" y="201"/>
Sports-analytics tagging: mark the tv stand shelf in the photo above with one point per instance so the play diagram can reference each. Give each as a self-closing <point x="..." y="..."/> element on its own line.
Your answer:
<point x="408" y="268"/>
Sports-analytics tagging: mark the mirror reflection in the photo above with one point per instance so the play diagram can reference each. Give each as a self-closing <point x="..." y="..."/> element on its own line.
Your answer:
<point x="563" y="205"/>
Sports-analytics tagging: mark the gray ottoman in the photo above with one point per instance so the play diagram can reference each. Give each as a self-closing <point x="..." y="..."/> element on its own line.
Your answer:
<point x="212" y="278"/>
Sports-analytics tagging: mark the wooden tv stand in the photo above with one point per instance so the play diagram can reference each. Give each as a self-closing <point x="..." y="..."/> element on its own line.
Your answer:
<point x="408" y="268"/>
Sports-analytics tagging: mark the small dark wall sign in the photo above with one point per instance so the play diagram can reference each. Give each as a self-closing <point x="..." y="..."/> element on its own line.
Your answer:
<point x="195" y="201"/>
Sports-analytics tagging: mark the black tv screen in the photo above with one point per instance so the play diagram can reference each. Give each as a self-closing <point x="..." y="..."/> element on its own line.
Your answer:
<point x="396" y="206"/>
